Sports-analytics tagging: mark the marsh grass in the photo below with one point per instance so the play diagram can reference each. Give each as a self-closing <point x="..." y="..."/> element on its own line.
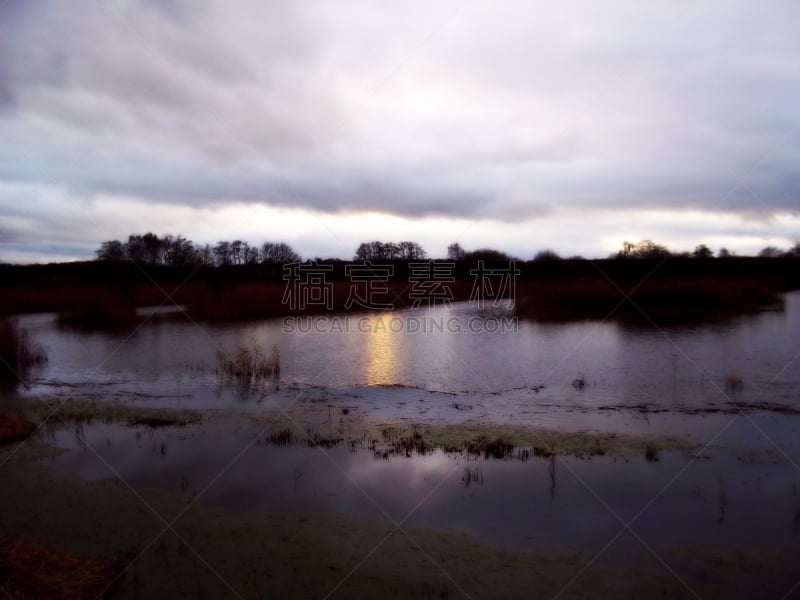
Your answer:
<point x="490" y="448"/>
<point x="676" y="298"/>
<point x="651" y="453"/>
<point x="249" y="363"/>
<point x="55" y="412"/>
<point x="472" y="476"/>
<point x="310" y="438"/>
<point x="415" y="442"/>
<point x="17" y="351"/>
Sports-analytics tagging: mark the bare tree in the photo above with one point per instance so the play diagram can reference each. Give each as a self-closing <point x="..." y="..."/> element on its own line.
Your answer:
<point x="644" y="249"/>
<point x="455" y="252"/>
<point x="487" y="254"/>
<point x="222" y="254"/>
<point x="278" y="253"/>
<point x="702" y="251"/>
<point x="410" y="251"/>
<point x="545" y="255"/>
<point x="770" y="252"/>
<point x="111" y="250"/>
<point x="389" y="251"/>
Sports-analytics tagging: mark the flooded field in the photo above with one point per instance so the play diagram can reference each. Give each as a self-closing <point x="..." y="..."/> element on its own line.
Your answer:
<point x="666" y="449"/>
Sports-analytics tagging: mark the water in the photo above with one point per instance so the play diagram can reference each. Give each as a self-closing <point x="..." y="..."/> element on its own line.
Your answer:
<point x="367" y="362"/>
<point x="642" y="380"/>
<point x="561" y="505"/>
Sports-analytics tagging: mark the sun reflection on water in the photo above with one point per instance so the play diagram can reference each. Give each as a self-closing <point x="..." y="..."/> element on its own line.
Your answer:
<point x="380" y="352"/>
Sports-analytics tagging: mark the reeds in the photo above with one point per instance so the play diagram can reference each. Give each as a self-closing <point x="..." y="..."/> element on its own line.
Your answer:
<point x="651" y="454"/>
<point x="663" y="299"/>
<point x="733" y="382"/>
<point x="249" y="363"/>
<point x="17" y="351"/>
<point x="490" y="448"/>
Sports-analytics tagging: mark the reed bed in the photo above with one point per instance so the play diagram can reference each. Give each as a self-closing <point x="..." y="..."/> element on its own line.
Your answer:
<point x="17" y="351"/>
<point x="249" y="363"/>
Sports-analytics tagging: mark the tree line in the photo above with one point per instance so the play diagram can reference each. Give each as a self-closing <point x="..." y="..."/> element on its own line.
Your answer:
<point x="177" y="251"/>
<point x="650" y="249"/>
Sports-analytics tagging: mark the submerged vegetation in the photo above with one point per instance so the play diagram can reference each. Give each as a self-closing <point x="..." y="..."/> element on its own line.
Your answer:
<point x="523" y="443"/>
<point x="58" y="411"/>
<point x="249" y="363"/>
<point x="313" y="425"/>
<point x="17" y="351"/>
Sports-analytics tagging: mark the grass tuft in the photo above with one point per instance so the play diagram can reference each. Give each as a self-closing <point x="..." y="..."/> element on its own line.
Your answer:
<point x="249" y="363"/>
<point x="17" y="351"/>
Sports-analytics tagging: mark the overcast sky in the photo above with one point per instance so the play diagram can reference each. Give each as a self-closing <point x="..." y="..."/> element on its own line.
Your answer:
<point x="515" y="125"/>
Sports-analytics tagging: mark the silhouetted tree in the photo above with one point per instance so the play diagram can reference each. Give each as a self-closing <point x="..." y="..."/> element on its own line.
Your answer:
<point x="222" y="254"/>
<point x="389" y="251"/>
<point x="204" y="255"/>
<point x="455" y="252"/>
<point x="153" y="248"/>
<point x="794" y="251"/>
<point x="251" y="255"/>
<point x="644" y="249"/>
<point x="770" y="252"/>
<point x="278" y="253"/>
<point x="488" y="255"/>
<point x="410" y="251"/>
<point x="724" y="253"/>
<point x="135" y="249"/>
<point x="237" y="252"/>
<point x="369" y="251"/>
<point x="702" y="251"/>
<point x="543" y="255"/>
<point x="179" y="252"/>
<point x="111" y="250"/>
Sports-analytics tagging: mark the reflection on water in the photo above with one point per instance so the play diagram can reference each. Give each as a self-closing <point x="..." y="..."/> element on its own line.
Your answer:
<point x="743" y="492"/>
<point x="527" y="374"/>
<point x="379" y="355"/>
<point x="740" y="500"/>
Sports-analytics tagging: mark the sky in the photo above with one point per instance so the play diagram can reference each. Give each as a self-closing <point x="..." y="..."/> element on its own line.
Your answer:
<point x="521" y="126"/>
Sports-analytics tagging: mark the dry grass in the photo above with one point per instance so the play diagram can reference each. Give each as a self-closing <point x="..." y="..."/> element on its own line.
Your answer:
<point x="17" y="351"/>
<point x="55" y="412"/>
<point x="249" y="363"/>
<point x="660" y="299"/>
<point x="32" y="571"/>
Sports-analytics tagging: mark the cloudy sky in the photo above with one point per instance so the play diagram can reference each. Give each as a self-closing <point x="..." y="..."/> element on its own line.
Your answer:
<point x="515" y="125"/>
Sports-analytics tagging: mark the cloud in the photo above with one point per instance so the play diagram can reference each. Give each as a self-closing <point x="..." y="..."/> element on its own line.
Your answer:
<point x="421" y="110"/>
